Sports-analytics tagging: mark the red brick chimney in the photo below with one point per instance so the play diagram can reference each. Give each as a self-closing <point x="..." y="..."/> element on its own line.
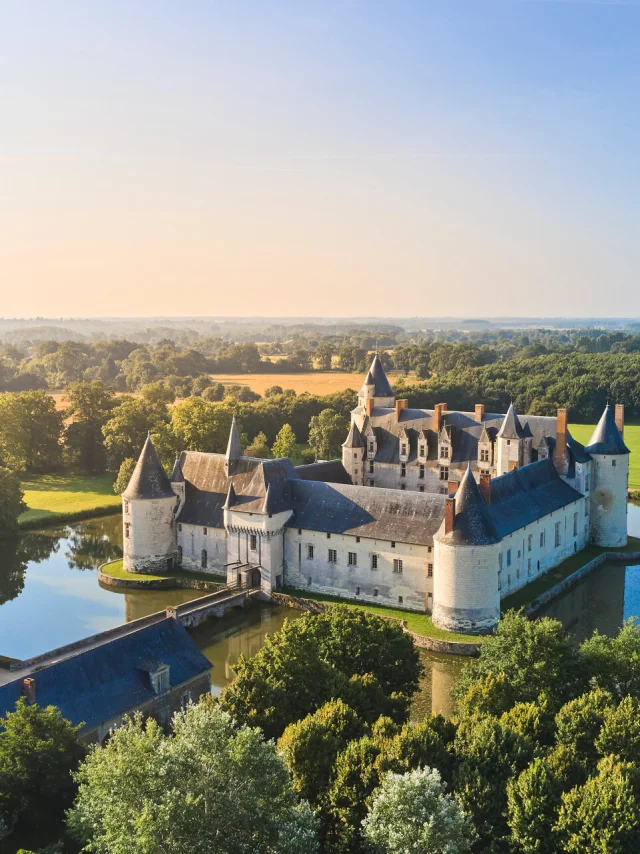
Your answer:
<point x="368" y="406"/>
<point x="437" y="415"/>
<point x="29" y="690"/>
<point x="452" y="486"/>
<point x="479" y="411"/>
<point x="401" y="404"/>
<point x="561" y="442"/>
<point x="485" y="487"/>
<point x="620" y="417"/>
<point x="449" y="514"/>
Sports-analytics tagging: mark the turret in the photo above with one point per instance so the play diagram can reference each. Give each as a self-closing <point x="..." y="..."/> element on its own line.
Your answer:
<point x="466" y="595"/>
<point x="148" y="510"/>
<point x="376" y="391"/>
<point x="509" y="443"/>
<point x="177" y="483"/>
<point x="610" y="477"/>
<point x="353" y="454"/>
<point x="234" y="449"/>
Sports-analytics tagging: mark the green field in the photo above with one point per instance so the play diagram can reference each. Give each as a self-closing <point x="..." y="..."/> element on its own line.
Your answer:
<point x="116" y="570"/>
<point x="582" y="432"/>
<point x="416" y="622"/>
<point x="60" y="497"/>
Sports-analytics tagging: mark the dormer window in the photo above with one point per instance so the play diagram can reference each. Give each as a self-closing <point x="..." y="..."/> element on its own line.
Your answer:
<point x="404" y="449"/>
<point x="370" y="447"/>
<point x="422" y="450"/>
<point x="444" y="452"/>
<point x="484" y="455"/>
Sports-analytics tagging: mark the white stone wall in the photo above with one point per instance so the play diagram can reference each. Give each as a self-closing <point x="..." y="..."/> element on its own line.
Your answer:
<point x="519" y="563"/>
<point x="352" y="460"/>
<point x="148" y="534"/>
<point x="610" y="475"/>
<point x="409" y="589"/>
<point x="507" y="451"/>
<point x="466" y="596"/>
<point x="388" y="476"/>
<point x="269" y="532"/>
<point x="193" y="540"/>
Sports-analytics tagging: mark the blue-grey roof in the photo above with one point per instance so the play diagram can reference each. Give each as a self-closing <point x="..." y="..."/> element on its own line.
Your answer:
<point x="383" y="514"/>
<point x="526" y="494"/>
<point x="606" y="438"/>
<point x="378" y="379"/>
<point x="354" y="438"/>
<point x="511" y="426"/>
<point x="473" y="524"/>
<point x="113" y="678"/>
<point x="149" y="479"/>
<point x="328" y="471"/>
<point x="579" y="453"/>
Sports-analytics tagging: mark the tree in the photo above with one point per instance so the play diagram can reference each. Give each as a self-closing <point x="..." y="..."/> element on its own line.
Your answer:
<point x="343" y="653"/>
<point x="201" y="426"/>
<point x="11" y="502"/>
<point x="327" y="432"/>
<point x="208" y="786"/>
<point x="258" y="448"/>
<point x="578" y="725"/>
<point x="614" y="663"/>
<point x="603" y="816"/>
<point x="30" y="430"/>
<point x="126" y="431"/>
<point x="620" y="732"/>
<point x="90" y="406"/>
<point x="38" y="751"/>
<point x="213" y="392"/>
<point x="533" y="800"/>
<point x="285" y="444"/>
<point x="124" y="475"/>
<point x="411" y="814"/>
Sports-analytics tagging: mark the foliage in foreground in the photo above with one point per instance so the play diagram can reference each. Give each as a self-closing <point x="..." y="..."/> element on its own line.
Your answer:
<point x="208" y="786"/>
<point x="11" y="502"/>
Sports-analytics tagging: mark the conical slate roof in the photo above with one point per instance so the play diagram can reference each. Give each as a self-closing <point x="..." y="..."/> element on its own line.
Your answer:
<point x="149" y="479"/>
<point x="378" y="379"/>
<point x="354" y="439"/>
<point x="231" y="498"/>
<point x="511" y="426"/>
<point x="606" y="437"/>
<point x="234" y="449"/>
<point x="473" y="525"/>
<point x="176" y="474"/>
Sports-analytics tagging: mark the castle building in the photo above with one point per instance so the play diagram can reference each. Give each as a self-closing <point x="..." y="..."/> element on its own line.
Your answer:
<point x="430" y="510"/>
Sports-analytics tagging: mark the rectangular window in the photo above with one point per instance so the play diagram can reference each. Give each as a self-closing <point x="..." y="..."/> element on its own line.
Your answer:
<point x="203" y="559"/>
<point x="421" y="488"/>
<point x="353" y="559"/>
<point x="310" y="552"/>
<point x="180" y="527"/>
<point x="309" y="581"/>
<point x="484" y="455"/>
<point x="397" y="566"/>
<point x="399" y="600"/>
<point x="541" y="539"/>
<point x="508" y="576"/>
<point x="357" y="591"/>
<point x="586" y="483"/>
<point x="299" y="531"/>
<point x="126" y="529"/>
<point x="126" y="506"/>
<point x="422" y="450"/>
<point x="254" y="542"/>
<point x="558" y="535"/>
<point x="403" y="469"/>
<point x="371" y="467"/>
<point x="421" y="472"/>
<point x="372" y="483"/>
<point x="374" y="561"/>
<point x="575" y="524"/>
<point x="430" y="570"/>
<point x="204" y="531"/>
<point x="444" y="452"/>
<point x="529" y="566"/>
<point x="530" y="542"/>
<point x="375" y="591"/>
<point x="499" y="579"/>
<point x="508" y="557"/>
<point x="403" y="486"/>
<point x="328" y="536"/>
<point x="357" y="539"/>
<point x="393" y="544"/>
<point x="404" y="450"/>
<point x="332" y="556"/>
<point x="370" y="447"/>
<point x="613" y="462"/>
<point x="444" y="473"/>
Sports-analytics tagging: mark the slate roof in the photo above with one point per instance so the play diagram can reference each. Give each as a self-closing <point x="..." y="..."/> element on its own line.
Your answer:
<point x="606" y="438"/>
<point x="473" y="524"/>
<point x="354" y="438"/>
<point x="378" y="379"/>
<point x="511" y="427"/>
<point x="526" y="494"/>
<point x="149" y="479"/>
<point x="384" y="514"/>
<point x="329" y="471"/>
<point x="234" y="449"/>
<point x="113" y="678"/>
<point x="176" y="474"/>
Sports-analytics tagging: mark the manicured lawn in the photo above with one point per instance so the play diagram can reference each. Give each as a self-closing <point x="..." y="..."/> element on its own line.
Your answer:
<point x="421" y="624"/>
<point x="56" y="497"/>
<point x="582" y="432"/>
<point x="116" y="570"/>
<point x="527" y="594"/>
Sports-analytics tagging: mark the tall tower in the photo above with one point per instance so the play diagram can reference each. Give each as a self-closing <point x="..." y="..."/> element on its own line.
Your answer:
<point x="376" y="391"/>
<point x="234" y="449"/>
<point x="610" y="478"/>
<point x="353" y="454"/>
<point x="509" y="443"/>
<point x="466" y="593"/>
<point x="148" y="513"/>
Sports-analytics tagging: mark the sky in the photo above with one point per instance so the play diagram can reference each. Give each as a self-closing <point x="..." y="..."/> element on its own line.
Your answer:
<point x="320" y="158"/>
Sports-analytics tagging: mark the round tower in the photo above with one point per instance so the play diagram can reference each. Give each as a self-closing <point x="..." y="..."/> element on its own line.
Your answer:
<point x="376" y="391"/>
<point x="353" y="454"/>
<point x="610" y="477"/>
<point x="148" y="514"/>
<point x="466" y="595"/>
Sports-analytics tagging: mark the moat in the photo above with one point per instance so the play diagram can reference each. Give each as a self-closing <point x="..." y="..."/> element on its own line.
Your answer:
<point x="50" y="596"/>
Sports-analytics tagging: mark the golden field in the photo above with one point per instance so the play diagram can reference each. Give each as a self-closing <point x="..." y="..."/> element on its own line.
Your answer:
<point x="314" y="382"/>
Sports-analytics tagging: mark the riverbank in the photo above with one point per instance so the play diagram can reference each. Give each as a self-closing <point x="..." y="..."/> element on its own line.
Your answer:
<point x="533" y="591"/>
<point x="58" y="498"/>
<point x="113" y="574"/>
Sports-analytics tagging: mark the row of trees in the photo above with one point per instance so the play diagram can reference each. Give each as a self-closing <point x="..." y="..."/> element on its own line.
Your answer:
<point x="310" y="749"/>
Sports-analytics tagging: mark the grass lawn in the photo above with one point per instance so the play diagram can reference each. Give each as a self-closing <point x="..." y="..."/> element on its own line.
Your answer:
<point x="116" y="570"/>
<point x="60" y="497"/>
<point x="582" y="432"/>
<point x="531" y="591"/>
<point x="421" y="624"/>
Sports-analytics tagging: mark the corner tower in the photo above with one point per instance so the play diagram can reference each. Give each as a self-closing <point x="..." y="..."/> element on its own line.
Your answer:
<point x="376" y="391"/>
<point x="148" y="513"/>
<point x="610" y="478"/>
<point x="466" y="596"/>
<point x="353" y="454"/>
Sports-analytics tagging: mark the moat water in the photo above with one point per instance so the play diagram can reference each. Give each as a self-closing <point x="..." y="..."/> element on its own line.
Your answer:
<point x="50" y="596"/>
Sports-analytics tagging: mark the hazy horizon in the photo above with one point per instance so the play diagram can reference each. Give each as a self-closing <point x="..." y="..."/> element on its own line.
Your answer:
<point x="337" y="159"/>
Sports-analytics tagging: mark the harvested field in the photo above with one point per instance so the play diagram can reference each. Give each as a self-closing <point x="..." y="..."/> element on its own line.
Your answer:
<point x="315" y="382"/>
